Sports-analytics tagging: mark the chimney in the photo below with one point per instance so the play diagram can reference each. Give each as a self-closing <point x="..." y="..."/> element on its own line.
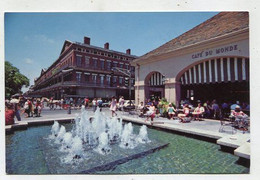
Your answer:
<point x="86" y="40"/>
<point x="106" y="46"/>
<point x="128" y="51"/>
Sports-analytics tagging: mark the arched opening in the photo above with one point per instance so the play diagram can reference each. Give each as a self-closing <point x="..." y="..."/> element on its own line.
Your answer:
<point x="225" y="79"/>
<point x="154" y="85"/>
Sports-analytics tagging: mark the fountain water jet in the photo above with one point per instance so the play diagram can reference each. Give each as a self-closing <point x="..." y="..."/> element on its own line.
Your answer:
<point x="96" y="134"/>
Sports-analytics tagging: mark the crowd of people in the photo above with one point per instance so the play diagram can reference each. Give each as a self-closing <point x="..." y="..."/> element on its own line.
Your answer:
<point x="210" y="110"/>
<point x="32" y="107"/>
<point x="16" y="107"/>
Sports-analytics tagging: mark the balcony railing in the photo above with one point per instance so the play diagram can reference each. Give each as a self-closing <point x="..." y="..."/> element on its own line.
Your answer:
<point x="84" y="84"/>
<point x="88" y="84"/>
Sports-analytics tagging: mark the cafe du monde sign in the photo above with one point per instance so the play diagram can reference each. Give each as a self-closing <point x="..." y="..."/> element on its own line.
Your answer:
<point x="216" y="51"/>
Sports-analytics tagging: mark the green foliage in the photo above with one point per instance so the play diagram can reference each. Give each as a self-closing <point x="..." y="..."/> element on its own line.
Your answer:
<point x="14" y="80"/>
<point x="164" y="104"/>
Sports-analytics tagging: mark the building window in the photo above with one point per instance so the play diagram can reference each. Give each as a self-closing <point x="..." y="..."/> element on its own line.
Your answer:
<point x="126" y="66"/>
<point x="78" y="59"/>
<point x="132" y="82"/>
<point x="94" y="78"/>
<point x="86" y="61"/>
<point x="114" y="64"/>
<point x="120" y="80"/>
<point x="114" y="79"/>
<point x="102" y="79"/>
<point x="108" y="79"/>
<point x="132" y="69"/>
<point x="108" y="65"/>
<point x="78" y="76"/>
<point x="102" y="65"/>
<point x="87" y="76"/>
<point x="95" y="63"/>
<point x="121" y="65"/>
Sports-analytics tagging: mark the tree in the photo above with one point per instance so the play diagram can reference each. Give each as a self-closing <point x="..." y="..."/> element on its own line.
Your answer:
<point x="14" y="80"/>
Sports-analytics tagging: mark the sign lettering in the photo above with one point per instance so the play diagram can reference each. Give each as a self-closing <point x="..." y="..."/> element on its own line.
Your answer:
<point x="216" y="51"/>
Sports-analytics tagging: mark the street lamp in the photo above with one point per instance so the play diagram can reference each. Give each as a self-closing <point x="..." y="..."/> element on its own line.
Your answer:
<point x="127" y="79"/>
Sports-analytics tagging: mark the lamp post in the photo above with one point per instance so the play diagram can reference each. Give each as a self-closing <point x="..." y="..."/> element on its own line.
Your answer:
<point x="128" y="78"/>
<point x="164" y="80"/>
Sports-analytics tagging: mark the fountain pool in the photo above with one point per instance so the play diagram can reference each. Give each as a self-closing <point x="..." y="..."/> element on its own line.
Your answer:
<point x="26" y="154"/>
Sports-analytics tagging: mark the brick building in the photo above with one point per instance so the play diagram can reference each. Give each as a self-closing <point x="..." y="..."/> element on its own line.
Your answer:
<point x="85" y="70"/>
<point x="210" y="61"/>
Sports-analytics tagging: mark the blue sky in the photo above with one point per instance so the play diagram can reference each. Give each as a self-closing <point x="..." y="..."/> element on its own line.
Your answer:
<point x="34" y="40"/>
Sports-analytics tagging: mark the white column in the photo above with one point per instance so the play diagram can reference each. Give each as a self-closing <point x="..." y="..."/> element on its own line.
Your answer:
<point x="243" y="69"/>
<point x="210" y="72"/>
<point x="199" y="73"/>
<point x="228" y="69"/>
<point x="235" y="69"/>
<point x="151" y="80"/>
<point x="216" y="70"/>
<point x="222" y="69"/>
<point x="205" y="80"/>
<point x="194" y="74"/>
<point x="186" y="77"/>
<point x="157" y="79"/>
<point x="190" y="76"/>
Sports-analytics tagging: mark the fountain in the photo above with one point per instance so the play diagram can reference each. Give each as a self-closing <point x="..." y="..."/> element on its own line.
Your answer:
<point x="97" y="133"/>
<point x="97" y="142"/>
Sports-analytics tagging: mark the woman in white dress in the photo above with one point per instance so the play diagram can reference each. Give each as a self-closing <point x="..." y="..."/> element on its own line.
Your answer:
<point x="113" y="106"/>
<point x="151" y="113"/>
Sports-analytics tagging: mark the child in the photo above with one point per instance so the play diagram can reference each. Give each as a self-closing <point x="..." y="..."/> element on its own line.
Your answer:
<point x="171" y="111"/>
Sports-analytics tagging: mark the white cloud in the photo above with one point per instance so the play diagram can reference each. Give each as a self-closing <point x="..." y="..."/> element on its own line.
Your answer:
<point x="44" y="38"/>
<point x="39" y="37"/>
<point x="28" y="61"/>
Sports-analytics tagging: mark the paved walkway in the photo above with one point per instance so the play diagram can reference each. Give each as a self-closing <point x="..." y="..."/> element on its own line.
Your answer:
<point x="206" y="128"/>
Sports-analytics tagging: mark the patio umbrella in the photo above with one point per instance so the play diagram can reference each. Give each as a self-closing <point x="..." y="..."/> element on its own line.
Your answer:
<point x="233" y="106"/>
<point x="14" y="101"/>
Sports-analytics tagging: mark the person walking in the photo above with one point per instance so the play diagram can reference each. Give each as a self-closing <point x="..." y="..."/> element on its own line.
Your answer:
<point x="94" y="104"/>
<point x="99" y="103"/>
<point x="16" y="108"/>
<point x="121" y="103"/>
<point x="86" y="102"/>
<point x="9" y="114"/>
<point x="113" y="106"/>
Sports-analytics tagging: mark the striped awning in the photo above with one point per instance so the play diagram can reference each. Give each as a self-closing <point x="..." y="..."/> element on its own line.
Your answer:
<point x="228" y="69"/>
<point x="156" y="79"/>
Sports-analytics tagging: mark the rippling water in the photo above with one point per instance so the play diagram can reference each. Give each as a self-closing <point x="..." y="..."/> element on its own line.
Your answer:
<point x="183" y="155"/>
